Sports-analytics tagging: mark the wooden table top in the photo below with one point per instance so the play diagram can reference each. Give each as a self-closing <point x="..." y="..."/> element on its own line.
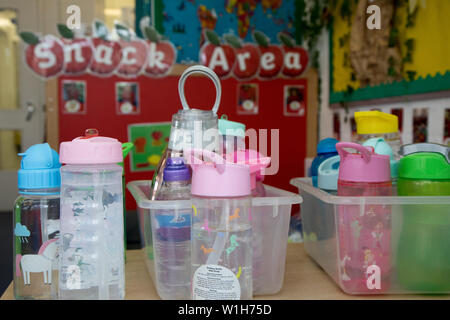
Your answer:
<point x="303" y="279"/>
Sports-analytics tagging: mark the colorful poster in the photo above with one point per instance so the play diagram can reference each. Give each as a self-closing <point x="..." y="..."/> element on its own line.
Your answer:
<point x="185" y="21"/>
<point x="247" y="98"/>
<point x="399" y="114"/>
<point x="150" y="140"/>
<point x="336" y="126"/>
<point x="294" y="103"/>
<point x="420" y="123"/>
<point x="73" y="96"/>
<point x="127" y="98"/>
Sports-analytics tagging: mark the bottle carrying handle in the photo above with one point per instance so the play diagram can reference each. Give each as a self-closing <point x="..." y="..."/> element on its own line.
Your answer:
<point x="365" y="151"/>
<point x="426" y="147"/>
<point x="205" y="71"/>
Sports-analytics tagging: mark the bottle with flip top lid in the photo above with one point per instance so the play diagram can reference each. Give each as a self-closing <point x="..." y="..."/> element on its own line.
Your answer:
<point x="36" y="224"/>
<point x="326" y="148"/>
<point x="423" y="259"/>
<point x="221" y="243"/>
<point x="91" y="251"/>
<point x="364" y="230"/>
<point x="191" y="128"/>
<point x="377" y="124"/>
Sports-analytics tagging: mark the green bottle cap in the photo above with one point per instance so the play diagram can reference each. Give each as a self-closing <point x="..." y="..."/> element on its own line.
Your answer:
<point x="231" y="128"/>
<point x="424" y="161"/>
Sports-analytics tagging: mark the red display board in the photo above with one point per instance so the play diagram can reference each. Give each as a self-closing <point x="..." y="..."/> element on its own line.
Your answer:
<point x="159" y="100"/>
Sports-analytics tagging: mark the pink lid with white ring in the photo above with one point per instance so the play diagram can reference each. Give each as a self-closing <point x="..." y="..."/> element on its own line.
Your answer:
<point x="91" y="149"/>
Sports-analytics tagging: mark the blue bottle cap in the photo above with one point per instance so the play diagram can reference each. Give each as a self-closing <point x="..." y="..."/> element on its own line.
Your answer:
<point x="39" y="169"/>
<point x="327" y="145"/>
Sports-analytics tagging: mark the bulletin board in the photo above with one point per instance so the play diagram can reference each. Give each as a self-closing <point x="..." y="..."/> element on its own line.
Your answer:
<point x="423" y="45"/>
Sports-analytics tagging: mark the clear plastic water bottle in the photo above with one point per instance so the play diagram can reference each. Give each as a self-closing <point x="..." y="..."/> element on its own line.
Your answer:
<point x="364" y="230"/>
<point x="261" y="216"/>
<point x="172" y="234"/>
<point x="91" y="246"/>
<point x="191" y="128"/>
<point x="377" y="124"/>
<point x="221" y="243"/>
<point x="36" y="224"/>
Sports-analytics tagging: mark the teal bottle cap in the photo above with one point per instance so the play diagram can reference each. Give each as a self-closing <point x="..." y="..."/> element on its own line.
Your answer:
<point x="231" y="128"/>
<point x="39" y="168"/>
<point x="328" y="173"/>
<point x="425" y="161"/>
<point x="380" y="146"/>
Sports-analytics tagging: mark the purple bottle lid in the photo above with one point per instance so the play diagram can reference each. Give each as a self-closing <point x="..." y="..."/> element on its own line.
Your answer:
<point x="176" y="170"/>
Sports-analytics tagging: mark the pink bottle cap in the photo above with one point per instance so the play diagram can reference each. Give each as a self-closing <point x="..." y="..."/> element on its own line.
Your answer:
<point x="365" y="166"/>
<point x="91" y="149"/>
<point x="252" y="158"/>
<point x="218" y="178"/>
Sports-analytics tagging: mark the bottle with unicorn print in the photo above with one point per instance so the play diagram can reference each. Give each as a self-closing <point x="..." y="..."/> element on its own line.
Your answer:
<point x="365" y="229"/>
<point x="221" y="236"/>
<point x="36" y="224"/>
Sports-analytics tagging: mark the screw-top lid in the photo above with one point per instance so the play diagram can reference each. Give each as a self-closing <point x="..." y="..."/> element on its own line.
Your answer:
<point x="365" y="166"/>
<point x="427" y="161"/>
<point x="218" y="178"/>
<point x="327" y="145"/>
<point x="231" y="128"/>
<point x="328" y="173"/>
<point x="380" y="146"/>
<point x="91" y="149"/>
<point x="373" y="122"/>
<point x="176" y="170"/>
<point x="39" y="168"/>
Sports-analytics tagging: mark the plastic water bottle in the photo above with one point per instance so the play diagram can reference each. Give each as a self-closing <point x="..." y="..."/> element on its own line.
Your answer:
<point x="364" y="230"/>
<point x="36" y="224"/>
<point x="91" y="246"/>
<point x="423" y="258"/>
<point x="221" y="230"/>
<point x="262" y="217"/>
<point x="377" y="124"/>
<point x="191" y="128"/>
<point x="172" y="234"/>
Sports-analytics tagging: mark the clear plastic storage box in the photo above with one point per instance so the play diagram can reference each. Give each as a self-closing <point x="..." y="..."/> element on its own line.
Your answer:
<point x="270" y="222"/>
<point x="416" y="259"/>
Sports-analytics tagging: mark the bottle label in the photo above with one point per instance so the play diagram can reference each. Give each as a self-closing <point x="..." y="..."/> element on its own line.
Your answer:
<point x="214" y="282"/>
